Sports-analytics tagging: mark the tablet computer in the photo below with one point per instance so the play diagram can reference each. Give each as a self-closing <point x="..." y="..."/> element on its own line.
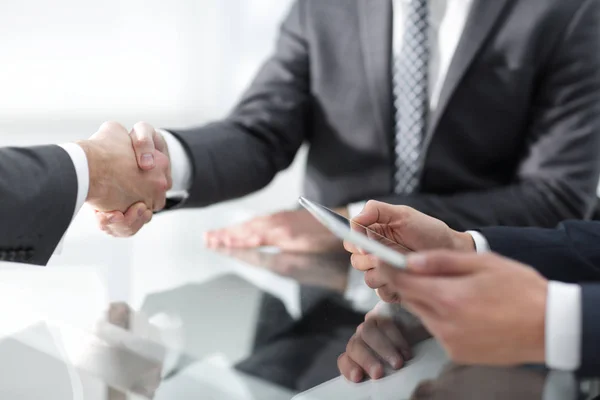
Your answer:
<point x="360" y="236"/>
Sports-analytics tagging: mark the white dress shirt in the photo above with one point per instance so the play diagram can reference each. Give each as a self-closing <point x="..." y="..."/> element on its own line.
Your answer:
<point x="563" y="319"/>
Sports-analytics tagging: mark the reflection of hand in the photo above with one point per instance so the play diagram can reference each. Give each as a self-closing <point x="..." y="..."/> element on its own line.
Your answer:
<point x="325" y="270"/>
<point x="116" y="182"/>
<point x="376" y="341"/>
<point x="288" y="230"/>
<point x="459" y="383"/>
<point x="484" y="309"/>
<point x="150" y="151"/>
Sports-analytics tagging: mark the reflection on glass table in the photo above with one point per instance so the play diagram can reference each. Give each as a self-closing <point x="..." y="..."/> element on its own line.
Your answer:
<point x="232" y="337"/>
<point x="329" y="271"/>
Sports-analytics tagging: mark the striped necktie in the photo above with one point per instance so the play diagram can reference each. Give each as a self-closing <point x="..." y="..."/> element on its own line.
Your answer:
<point x="410" y="80"/>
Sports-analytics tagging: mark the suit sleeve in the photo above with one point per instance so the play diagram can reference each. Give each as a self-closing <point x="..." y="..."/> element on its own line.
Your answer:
<point x="590" y="319"/>
<point x="558" y="176"/>
<point x="570" y="253"/>
<point x="262" y="135"/>
<point x="38" y="190"/>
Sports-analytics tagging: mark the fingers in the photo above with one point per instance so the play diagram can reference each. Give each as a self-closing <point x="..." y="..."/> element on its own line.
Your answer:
<point x="448" y="263"/>
<point x="164" y="159"/>
<point x="365" y="262"/>
<point x="142" y="138"/>
<point x="113" y="127"/>
<point x="106" y="218"/>
<point x="351" y="370"/>
<point x="242" y="236"/>
<point x="395" y="336"/>
<point x="388" y="294"/>
<point x="361" y="355"/>
<point x="381" y="344"/>
<point x="378" y="277"/>
<point x="127" y="224"/>
<point x="159" y="142"/>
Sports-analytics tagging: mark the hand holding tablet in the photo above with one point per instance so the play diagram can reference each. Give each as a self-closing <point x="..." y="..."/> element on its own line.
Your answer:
<point x="366" y="239"/>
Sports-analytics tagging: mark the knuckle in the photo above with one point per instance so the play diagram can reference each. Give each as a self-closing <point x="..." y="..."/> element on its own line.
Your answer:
<point x="141" y="141"/>
<point x="370" y="279"/>
<point x="372" y="204"/>
<point x="360" y="329"/>
<point x="352" y="345"/>
<point x="387" y="295"/>
<point x="112" y="126"/>
<point x="285" y="232"/>
<point x="450" y="302"/>
<point x="142" y="125"/>
<point x="161" y="185"/>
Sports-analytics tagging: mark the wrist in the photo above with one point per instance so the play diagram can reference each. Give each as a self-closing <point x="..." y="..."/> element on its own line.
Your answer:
<point x="536" y="352"/>
<point x="462" y="241"/>
<point x="96" y="157"/>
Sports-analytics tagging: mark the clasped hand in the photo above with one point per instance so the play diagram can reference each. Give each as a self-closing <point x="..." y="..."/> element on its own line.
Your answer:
<point x="129" y="174"/>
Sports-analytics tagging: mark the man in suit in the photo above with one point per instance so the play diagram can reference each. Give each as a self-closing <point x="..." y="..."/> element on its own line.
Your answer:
<point x="484" y="308"/>
<point x="42" y="188"/>
<point x="476" y="112"/>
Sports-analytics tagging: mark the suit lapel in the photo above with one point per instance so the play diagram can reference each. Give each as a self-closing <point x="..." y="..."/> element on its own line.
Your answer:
<point x="480" y="23"/>
<point x="375" y="24"/>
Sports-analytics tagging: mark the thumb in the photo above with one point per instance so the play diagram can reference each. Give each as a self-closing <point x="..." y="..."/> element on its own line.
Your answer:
<point x="142" y="138"/>
<point x="374" y="212"/>
<point x="445" y="263"/>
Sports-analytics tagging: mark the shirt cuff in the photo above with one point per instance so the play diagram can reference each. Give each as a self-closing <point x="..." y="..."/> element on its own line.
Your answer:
<point x="181" y="166"/>
<point x="82" y="171"/>
<point x="563" y="326"/>
<point x="355" y="208"/>
<point x="481" y="243"/>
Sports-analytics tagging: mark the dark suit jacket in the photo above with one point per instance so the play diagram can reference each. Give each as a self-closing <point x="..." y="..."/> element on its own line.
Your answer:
<point x="38" y="190"/>
<point x="514" y="140"/>
<point x="570" y="253"/>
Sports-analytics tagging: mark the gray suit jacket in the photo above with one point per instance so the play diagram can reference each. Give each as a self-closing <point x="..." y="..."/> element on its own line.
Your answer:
<point x="514" y="140"/>
<point x="38" y="190"/>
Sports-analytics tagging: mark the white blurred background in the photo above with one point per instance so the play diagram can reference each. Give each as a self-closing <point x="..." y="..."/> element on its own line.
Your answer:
<point x="68" y="65"/>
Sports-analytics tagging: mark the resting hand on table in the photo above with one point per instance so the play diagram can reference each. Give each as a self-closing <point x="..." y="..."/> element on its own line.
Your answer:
<point x="483" y="308"/>
<point x="291" y="231"/>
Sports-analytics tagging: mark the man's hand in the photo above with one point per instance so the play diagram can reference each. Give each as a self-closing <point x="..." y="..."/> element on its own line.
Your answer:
<point x="288" y="230"/>
<point x="150" y="150"/>
<point x="410" y="228"/>
<point x="378" y="340"/>
<point x="484" y="309"/>
<point x="116" y="182"/>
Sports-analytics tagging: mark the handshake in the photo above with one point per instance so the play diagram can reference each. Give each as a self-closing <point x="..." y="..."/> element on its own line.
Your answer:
<point x="129" y="176"/>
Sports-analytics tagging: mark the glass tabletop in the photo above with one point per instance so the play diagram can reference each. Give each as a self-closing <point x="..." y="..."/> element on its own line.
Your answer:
<point x="195" y="323"/>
